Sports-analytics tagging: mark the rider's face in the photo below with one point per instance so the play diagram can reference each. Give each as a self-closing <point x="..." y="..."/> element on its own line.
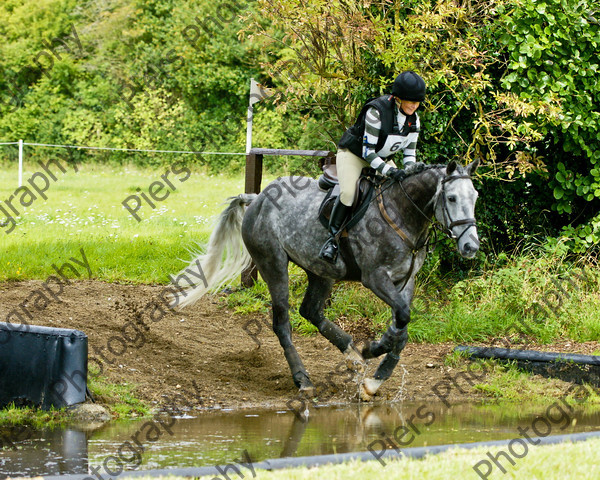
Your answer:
<point x="407" y="106"/>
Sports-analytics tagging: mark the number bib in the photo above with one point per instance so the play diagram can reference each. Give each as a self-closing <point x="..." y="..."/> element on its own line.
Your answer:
<point x="394" y="143"/>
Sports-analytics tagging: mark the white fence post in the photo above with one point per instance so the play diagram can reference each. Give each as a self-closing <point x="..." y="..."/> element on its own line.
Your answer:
<point x="20" y="163"/>
<point x="249" y="128"/>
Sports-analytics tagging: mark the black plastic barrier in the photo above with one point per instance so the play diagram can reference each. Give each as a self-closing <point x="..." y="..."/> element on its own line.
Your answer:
<point x="41" y="366"/>
<point x="574" y="368"/>
<point x="529" y="355"/>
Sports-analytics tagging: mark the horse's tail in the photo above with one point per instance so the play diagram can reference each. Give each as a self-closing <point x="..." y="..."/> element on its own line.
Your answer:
<point x="224" y="258"/>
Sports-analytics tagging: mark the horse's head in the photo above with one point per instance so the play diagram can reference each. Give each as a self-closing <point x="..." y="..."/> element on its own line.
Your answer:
<point x="455" y="207"/>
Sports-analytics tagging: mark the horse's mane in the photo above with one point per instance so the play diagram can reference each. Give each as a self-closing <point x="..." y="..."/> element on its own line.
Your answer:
<point x="420" y="167"/>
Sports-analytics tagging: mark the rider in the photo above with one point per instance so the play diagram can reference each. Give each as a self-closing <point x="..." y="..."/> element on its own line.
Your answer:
<point x="390" y="124"/>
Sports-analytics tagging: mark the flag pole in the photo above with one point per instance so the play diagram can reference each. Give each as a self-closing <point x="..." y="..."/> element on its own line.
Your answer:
<point x="249" y="116"/>
<point x="257" y="93"/>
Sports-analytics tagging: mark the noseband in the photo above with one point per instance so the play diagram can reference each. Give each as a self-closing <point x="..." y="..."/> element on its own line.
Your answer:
<point x="449" y="223"/>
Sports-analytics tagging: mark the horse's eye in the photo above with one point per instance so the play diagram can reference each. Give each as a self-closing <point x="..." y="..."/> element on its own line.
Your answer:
<point x="451" y="198"/>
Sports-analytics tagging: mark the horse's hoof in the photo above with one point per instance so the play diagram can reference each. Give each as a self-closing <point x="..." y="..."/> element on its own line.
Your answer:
<point x="363" y="394"/>
<point x="354" y="360"/>
<point x="368" y="388"/>
<point x="308" y="392"/>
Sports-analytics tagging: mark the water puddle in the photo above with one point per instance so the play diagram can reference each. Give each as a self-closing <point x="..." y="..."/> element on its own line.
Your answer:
<point x="222" y="437"/>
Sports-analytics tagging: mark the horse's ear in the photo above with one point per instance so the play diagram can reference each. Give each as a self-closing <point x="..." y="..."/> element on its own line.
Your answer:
<point x="471" y="167"/>
<point x="451" y="167"/>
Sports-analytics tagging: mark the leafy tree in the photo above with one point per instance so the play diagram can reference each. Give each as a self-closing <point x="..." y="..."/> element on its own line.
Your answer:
<point x="554" y="64"/>
<point x="489" y="95"/>
<point x="148" y="74"/>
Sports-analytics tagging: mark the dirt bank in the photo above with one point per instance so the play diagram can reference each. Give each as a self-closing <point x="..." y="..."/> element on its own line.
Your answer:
<point x="207" y="351"/>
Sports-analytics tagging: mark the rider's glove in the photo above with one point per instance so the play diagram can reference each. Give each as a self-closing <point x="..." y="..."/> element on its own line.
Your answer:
<point x="397" y="175"/>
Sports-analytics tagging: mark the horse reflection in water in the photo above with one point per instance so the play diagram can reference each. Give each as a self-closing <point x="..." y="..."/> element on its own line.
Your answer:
<point x="384" y="252"/>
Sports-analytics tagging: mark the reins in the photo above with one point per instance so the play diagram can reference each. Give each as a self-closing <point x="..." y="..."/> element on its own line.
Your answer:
<point x="447" y="228"/>
<point x="391" y="223"/>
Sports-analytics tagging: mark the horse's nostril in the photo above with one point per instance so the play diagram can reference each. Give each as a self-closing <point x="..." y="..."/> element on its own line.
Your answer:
<point x="468" y="248"/>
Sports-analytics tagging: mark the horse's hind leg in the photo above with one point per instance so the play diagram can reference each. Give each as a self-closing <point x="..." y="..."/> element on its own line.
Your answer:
<point x="274" y="270"/>
<point x="317" y="293"/>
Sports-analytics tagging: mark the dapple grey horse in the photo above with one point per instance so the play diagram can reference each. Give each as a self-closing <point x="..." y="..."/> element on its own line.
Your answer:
<point x="384" y="251"/>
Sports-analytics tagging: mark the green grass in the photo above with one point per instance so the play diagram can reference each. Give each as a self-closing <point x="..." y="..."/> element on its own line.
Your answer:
<point x="84" y="210"/>
<point x="529" y="298"/>
<point x="506" y="382"/>
<point x="551" y="462"/>
<point x="456" y="359"/>
<point x="118" y="398"/>
<point x="13" y="416"/>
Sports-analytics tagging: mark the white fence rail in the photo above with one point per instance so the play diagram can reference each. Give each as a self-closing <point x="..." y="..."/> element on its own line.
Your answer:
<point x="21" y="144"/>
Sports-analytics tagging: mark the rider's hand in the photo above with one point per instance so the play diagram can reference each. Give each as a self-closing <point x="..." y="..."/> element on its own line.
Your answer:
<point x="396" y="174"/>
<point x="410" y="167"/>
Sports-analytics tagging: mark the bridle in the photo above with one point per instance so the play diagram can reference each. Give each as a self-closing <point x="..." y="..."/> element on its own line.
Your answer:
<point x="451" y="224"/>
<point x="425" y="242"/>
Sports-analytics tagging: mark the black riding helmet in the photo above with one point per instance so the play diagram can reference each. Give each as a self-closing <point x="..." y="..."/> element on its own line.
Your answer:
<point x="409" y="86"/>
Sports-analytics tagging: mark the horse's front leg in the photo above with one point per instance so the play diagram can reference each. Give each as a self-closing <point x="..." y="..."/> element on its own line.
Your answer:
<point x="394" y="339"/>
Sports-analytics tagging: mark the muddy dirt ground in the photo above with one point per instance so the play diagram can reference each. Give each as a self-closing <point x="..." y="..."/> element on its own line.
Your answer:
<point x="211" y="356"/>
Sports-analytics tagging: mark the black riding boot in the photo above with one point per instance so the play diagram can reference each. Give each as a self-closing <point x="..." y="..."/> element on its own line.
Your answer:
<point x="339" y="212"/>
